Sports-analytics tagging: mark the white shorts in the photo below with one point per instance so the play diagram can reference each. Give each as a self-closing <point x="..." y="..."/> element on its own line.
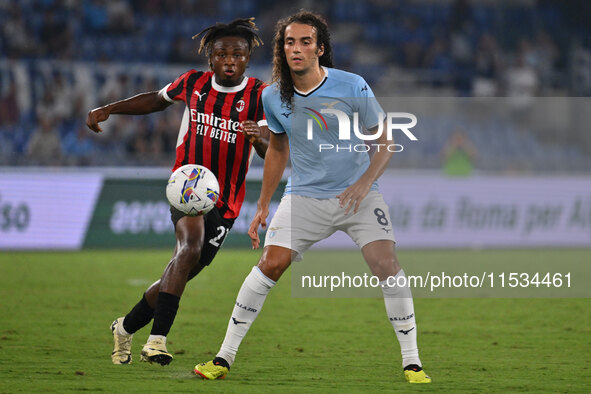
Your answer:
<point x="300" y="222"/>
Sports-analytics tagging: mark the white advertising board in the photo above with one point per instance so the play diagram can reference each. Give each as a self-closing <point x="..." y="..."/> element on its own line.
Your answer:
<point x="46" y="210"/>
<point x="430" y="211"/>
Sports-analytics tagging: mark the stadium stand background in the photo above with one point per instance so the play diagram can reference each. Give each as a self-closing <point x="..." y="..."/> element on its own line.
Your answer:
<point x="58" y="59"/>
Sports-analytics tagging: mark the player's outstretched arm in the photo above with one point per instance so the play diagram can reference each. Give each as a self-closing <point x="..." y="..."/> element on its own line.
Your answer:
<point x="275" y="162"/>
<point x="354" y="194"/>
<point x="257" y="135"/>
<point x="141" y="104"/>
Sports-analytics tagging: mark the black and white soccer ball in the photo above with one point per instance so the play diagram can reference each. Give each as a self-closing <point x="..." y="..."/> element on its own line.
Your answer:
<point x="193" y="190"/>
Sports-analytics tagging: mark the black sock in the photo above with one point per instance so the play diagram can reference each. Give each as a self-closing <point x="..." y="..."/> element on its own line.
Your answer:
<point x="164" y="314"/>
<point x="413" y="367"/>
<point x="139" y="316"/>
<point x="221" y="361"/>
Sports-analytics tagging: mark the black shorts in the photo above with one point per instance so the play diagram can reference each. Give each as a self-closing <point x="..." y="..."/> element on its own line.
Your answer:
<point x="216" y="230"/>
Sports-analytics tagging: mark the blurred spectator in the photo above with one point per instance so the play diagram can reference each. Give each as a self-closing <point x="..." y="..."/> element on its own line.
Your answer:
<point x="117" y="131"/>
<point x="487" y="67"/>
<point x="79" y="146"/>
<point x="437" y="59"/>
<point x="55" y="36"/>
<point x="115" y="88"/>
<point x="546" y="56"/>
<point x="59" y="99"/>
<point x="461" y="46"/>
<point x="148" y="84"/>
<point x="462" y="56"/>
<point x="9" y="108"/>
<point x="581" y="70"/>
<point x="139" y="143"/>
<point x="181" y="51"/>
<point x="459" y="155"/>
<point x="413" y="42"/>
<point x="150" y="7"/>
<point x="522" y="80"/>
<point x="45" y="108"/>
<point x="161" y="145"/>
<point x="44" y="146"/>
<point x="95" y="15"/>
<point x="461" y="29"/>
<point x="62" y="95"/>
<point x="18" y="38"/>
<point x="120" y="16"/>
<point x="124" y="128"/>
<point x="461" y="14"/>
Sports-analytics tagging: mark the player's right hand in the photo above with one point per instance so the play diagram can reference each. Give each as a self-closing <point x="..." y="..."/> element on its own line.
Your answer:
<point x="260" y="218"/>
<point x="94" y="117"/>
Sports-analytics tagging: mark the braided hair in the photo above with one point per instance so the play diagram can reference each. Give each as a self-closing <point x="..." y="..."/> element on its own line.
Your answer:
<point x="242" y="27"/>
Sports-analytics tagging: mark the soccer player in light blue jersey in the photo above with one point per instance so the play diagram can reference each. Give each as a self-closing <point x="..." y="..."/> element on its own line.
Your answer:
<point x="313" y="111"/>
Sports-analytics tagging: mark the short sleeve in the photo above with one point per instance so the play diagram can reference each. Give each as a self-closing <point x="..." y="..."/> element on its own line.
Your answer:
<point x="260" y="114"/>
<point x="269" y="107"/>
<point x="177" y="90"/>
<point x="370" y="110"/>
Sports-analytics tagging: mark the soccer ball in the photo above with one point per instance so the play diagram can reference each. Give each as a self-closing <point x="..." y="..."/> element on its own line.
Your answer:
<point x="193" y="190"/>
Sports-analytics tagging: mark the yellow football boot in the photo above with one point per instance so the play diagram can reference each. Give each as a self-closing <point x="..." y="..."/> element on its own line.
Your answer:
<point x="211" y="370"/>
<point x="415" y="374"/>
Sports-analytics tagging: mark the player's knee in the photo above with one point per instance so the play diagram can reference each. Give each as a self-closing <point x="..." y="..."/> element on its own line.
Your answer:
<point x="385" y="266"/>
<point x="189" y="254"/>
<point x="272" y="267"/>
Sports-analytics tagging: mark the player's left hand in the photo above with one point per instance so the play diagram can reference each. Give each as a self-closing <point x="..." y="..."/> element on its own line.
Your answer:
<point x="354" y="194"/>
<point x="251" y="130"/>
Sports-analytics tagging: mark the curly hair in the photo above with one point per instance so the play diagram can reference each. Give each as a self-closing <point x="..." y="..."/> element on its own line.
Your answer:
<point x="242" y="27"/>
<point x="281" y="73"/>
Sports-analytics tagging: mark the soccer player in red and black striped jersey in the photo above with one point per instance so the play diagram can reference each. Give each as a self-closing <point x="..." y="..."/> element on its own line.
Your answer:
<point x="222" y="127"/>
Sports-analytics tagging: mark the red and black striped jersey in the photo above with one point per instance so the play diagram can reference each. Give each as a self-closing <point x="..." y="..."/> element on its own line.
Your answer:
<point x="210" y="132"/>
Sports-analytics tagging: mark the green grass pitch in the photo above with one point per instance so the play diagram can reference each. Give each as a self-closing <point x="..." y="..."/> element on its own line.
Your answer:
<point x="57" y="308"/>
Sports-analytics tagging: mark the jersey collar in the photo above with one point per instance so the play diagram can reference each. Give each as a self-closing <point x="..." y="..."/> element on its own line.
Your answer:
<point x="309" y="92"/>
<point x="231" y="89"/>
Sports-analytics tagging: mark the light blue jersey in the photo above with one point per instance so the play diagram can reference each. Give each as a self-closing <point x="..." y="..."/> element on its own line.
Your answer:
<point x="323" y="162"/>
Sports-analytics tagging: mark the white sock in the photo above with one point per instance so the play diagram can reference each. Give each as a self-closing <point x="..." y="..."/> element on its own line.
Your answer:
<point x="152" y="337"/>
<point x="401" y="313"/>
<point x="249" y="302"/>
<point x="121" y="330"/>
